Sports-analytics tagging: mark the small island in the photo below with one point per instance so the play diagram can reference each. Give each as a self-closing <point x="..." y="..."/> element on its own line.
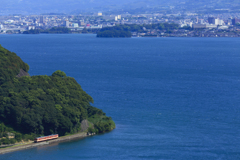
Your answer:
<point x="114" y="32"/>
<point x="34" y="106"/>
<point x="129" y="30"/>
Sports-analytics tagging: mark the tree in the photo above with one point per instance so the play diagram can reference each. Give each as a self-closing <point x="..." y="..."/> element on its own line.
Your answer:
<point x="59" y="73"/>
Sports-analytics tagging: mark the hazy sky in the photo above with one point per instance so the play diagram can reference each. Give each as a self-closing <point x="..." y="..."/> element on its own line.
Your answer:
<point x="74" y="6"/>
<point x="67" y="6"/>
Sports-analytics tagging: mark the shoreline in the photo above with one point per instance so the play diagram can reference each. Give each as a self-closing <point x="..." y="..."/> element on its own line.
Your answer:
<point x="131" y="36"/>
<point x="32" y="144"/>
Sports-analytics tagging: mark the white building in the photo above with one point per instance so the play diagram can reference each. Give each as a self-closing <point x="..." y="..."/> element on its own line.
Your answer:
<point x="119" y="17"/>
<point x="210" y="26"/>
<point x="75" y="25"/>
<point x="9" y="21"/>
<point x="199" y="26"/>
<point x="220" y="22"/>
<point x="202" y="26"/>
<point x="66" y="23"/>
<point x="223" y="27"/>
<point x="183" y="25"/>
<point x="96" y="27"/>
<point x="191" y="24"/>
<point x="201" y="21"/>
<point x="31" y="27"/>
<point x="215" y="21"/>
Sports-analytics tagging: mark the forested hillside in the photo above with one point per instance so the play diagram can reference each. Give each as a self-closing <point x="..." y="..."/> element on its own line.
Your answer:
<point x="10" y="65"/>
<point x="43" y="105"/>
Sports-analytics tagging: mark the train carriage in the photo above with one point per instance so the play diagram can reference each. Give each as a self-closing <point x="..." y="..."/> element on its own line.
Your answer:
<point x="45" y="138"/>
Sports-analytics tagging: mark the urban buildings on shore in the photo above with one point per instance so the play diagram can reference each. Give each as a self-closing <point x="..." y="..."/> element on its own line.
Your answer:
<point x="21" y="23"/>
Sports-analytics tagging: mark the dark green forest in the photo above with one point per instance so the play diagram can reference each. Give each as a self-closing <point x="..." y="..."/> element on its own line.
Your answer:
<point x="54" y="30"/>
<point x="114" y="33"/>
<point x="126" y="29"/>
<point x="43" y="105"/>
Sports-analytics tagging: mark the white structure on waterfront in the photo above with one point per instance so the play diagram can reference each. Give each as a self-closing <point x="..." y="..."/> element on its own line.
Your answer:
<point x="223" y="27"/>
<point x="215" y="21"/>
<point x="75" y="25"/>
<point x="191" y="24"/>
<point x="31" y="27"/>
<point x="119" y="17"/>
<point x="66" y="23"/>
<point x="96" y="27"/>
<point x="9" y="21"/>
<point x="203" y="26"/>
<point x="220" y="22"/>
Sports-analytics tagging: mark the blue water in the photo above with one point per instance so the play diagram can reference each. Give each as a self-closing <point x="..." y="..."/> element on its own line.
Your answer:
<point x="171" y="98"/>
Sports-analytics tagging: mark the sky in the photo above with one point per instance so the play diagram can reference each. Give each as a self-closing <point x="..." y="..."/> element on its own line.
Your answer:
<point x="80" y="6"/>
<point x="68" y="6"/>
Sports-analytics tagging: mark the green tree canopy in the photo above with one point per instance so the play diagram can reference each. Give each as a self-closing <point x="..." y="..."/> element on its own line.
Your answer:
<point x="43" y="105"/>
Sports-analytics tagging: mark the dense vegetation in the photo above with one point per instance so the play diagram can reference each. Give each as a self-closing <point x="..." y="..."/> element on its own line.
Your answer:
<point x="43" y="105"/>
<point x="114" y="33"/>
<point x="125" y="30"/>
<point x="51" y="30"/>
<point x="10" y="64"/>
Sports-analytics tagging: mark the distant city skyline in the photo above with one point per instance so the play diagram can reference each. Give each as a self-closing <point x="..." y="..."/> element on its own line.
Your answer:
<point x="187" y="23"/>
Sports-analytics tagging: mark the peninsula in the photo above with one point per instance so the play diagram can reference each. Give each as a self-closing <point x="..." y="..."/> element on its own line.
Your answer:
<point x="33" y="106"/>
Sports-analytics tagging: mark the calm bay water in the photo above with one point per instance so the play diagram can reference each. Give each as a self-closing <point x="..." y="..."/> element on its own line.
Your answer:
<point x="171" y="98"/>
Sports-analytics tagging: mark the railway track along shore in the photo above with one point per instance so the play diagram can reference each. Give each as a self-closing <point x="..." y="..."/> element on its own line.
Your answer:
<point x="32" y="144"/>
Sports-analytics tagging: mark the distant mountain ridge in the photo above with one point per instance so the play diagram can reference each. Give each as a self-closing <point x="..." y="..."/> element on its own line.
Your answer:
<point x="44" y="6"/>
<point x="81" y="6"/>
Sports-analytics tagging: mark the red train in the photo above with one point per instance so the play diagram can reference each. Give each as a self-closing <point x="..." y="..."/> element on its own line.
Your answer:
<point x="45" y="138"/>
